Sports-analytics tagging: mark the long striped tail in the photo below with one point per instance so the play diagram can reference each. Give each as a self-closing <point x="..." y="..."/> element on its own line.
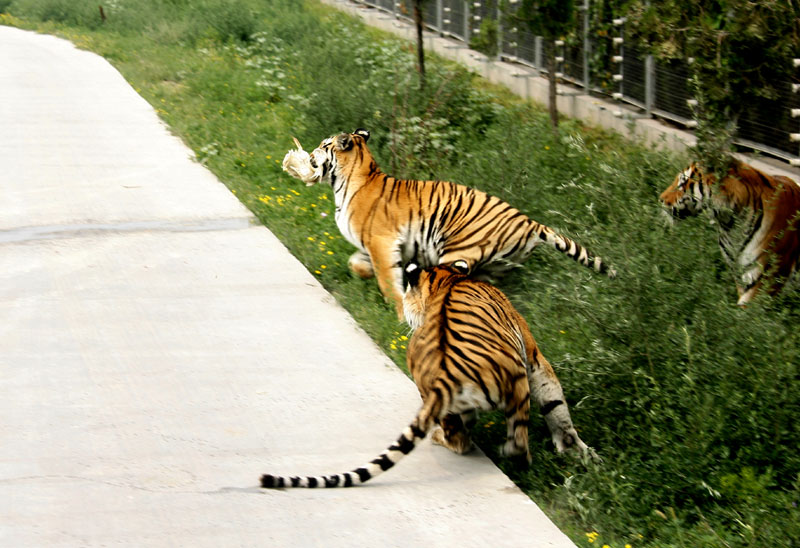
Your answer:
<point x="412" y="434"/>
<point x="575" y="251"/>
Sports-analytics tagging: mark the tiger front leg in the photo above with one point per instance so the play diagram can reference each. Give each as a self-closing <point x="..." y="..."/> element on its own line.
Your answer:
<point x="388" y="268"/>
<point x="750" y="284"/>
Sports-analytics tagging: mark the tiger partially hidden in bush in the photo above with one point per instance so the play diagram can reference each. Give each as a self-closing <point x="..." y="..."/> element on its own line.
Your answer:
<point x="769" y="204"/>
<point x="392" y="221"/>
<point x="470" y="350"/>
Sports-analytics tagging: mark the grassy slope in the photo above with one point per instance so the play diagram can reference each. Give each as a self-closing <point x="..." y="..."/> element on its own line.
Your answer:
<point x="691" y="401"/>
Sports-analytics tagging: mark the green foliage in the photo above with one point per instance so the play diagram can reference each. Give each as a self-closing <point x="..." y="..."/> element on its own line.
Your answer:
<point x="548" y="18"/>
<point x="485" y="41"/>
<point x="691" y="401"/>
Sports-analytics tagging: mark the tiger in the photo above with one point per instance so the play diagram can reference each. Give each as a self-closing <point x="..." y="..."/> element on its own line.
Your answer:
<point x="771" y="206"/>
<point x="391" y="221"/>
<point x="470" y="350"/>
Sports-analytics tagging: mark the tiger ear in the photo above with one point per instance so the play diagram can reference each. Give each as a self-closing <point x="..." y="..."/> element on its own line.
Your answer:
<point x="363" y="133"/>
<point x="461" y="266"/>
<point x="411" y="275"/>
<point x="344" y="142"/>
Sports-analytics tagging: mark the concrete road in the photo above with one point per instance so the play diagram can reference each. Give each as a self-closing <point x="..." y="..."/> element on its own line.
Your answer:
<point x="159" y="350"/>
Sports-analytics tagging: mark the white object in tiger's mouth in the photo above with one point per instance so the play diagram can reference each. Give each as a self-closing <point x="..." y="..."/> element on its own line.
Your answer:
<point x="297" y="163"/>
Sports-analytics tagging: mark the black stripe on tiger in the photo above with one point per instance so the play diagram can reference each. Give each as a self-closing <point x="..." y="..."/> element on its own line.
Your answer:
<point x="549" y="406"/>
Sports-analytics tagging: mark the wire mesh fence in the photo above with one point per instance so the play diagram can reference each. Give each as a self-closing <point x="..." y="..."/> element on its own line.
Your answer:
<point x="601" y="59"/>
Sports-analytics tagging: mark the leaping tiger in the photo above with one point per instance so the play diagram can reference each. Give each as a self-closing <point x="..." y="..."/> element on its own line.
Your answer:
<point x="392" y="221"/>
<point x="470" y="350"/>
<point x="771" y="205"/>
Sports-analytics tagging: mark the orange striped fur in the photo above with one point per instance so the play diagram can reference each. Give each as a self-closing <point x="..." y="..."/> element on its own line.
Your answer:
<point x="771" y="206"/>
<point x="471" y="350"/>
<point x="392" y="221"/>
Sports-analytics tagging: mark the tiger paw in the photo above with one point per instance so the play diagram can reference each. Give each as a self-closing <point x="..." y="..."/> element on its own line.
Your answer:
<point x="361" y="265"/>
<point x="520" y="456"/>
<point x="457" y="443"/>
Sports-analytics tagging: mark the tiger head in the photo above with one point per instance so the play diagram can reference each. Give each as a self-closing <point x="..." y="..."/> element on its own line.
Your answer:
<point x="688" y="193"/>
<point x="421" y="285"/>
<point x="345" y="155"/>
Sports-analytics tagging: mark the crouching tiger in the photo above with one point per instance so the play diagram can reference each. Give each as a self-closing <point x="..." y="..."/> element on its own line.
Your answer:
<point x="392" y="221"/>
<point x="771" y="206"/>
<point x="471" y="350"/>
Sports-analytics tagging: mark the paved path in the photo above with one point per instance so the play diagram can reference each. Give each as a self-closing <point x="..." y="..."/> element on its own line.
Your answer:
<point x="159" y="350"/>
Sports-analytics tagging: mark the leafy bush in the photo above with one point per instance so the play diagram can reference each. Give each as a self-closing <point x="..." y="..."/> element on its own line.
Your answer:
<point x="485" y="40"/>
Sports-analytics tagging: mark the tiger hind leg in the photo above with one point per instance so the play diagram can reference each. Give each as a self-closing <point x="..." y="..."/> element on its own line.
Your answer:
<point x="518" y="411"/>
<point x="451" y="433"/>
<point x="361" y="265"/>
<point x="546" y="390"/>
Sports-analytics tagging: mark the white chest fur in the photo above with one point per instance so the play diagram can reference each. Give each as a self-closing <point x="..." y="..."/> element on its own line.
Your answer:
<point x="342" y="200"/>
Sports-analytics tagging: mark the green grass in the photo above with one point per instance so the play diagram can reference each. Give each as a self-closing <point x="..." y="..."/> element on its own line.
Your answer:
<point x="692" y="402"/>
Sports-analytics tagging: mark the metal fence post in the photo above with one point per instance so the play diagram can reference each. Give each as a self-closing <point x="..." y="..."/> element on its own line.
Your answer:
<point x="619" y="76"/>
<point x="446" y="10"/>
<point x="795" y="137"/>
<point x="499" y="33"/>
<point x="559" y="58"/>
<point x="649" y="84"/>
<point x="467" y="34"/>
